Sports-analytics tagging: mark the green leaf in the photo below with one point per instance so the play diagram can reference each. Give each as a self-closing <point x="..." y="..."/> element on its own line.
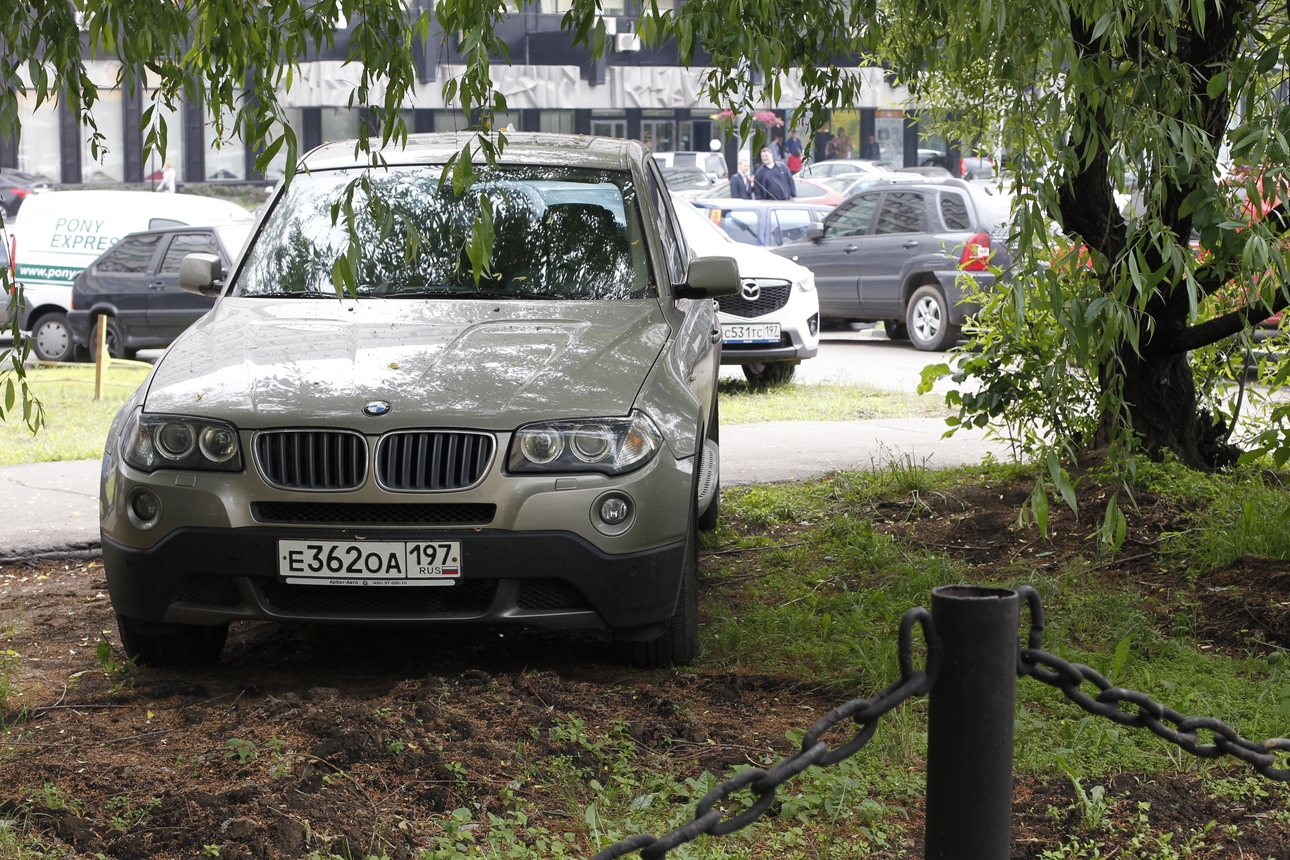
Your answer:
<point x="1039" y="506"/>
<point x="1120" y="658"/>
<point x="1216" y="85"/>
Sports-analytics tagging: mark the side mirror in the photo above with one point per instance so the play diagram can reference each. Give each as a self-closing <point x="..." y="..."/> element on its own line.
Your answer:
<point x="814" y="231"/>
<point x="710" y="278"/>
<point x="202" y="274"/>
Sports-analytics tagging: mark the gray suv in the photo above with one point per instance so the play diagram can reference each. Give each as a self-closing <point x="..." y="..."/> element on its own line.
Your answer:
<point x="538" y="447"/>
<point x="897" y="253"/>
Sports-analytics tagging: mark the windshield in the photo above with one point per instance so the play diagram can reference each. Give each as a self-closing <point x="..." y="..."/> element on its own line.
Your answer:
<point x="700" y="233"/>
<point x="558" y="233"/>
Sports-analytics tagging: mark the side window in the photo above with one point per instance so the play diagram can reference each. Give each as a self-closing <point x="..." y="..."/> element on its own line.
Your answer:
<point x="902" y="212"/>
<point x="673" y="246"/>
<point x="789" y="225"/>
<point x="742" y="225"/>
<point x="852" y="217"/>
<point x="131" y="256"/>
<point x="184" y="244"/>
<point x="954" y="212"/>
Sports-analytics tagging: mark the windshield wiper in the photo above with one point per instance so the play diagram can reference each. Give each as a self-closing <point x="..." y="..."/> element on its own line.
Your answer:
<point x="464" y="294"/>
<point x="292" y="294"/>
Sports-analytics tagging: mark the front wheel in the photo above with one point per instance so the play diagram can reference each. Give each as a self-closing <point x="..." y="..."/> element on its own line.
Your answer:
<point x="679" y="643"/>
<point x="763" y="375"/>
<point x="171" y="644"/>
<point x="708" y="519"/>
<point x="115" y="340"/>
<point x="928" y="320"/>
<point x="51" y="337"/>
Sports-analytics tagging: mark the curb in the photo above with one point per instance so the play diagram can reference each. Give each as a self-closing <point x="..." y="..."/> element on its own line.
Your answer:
<point x="76" y="551"/>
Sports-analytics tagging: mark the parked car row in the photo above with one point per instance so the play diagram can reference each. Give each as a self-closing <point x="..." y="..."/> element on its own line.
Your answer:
<point x="895" y="249"/>
<point x="66" y="255"/>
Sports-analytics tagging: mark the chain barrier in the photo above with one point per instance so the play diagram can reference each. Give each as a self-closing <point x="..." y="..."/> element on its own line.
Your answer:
<point x="1068" y="677"/>
<point x="865" y="713"/>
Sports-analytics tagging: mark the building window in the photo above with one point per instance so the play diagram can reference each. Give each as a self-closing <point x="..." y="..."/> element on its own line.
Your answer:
<point x="39" y="149"/>
<point x="277" y="168"/>
<point x="556" y="121"/>
<point x="608" y="124"/>
<point x="174" y="152"/>
<point x="110" y="165"/>
<point x="339" y="124"/>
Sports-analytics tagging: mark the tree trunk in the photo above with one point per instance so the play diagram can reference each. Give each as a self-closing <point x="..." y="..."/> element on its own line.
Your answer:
<point x="1160" y="396"/>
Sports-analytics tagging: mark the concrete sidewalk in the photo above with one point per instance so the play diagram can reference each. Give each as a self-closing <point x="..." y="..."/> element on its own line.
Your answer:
<point x="53" y="507"/>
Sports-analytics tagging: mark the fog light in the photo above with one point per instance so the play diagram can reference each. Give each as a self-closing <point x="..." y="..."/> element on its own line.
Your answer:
<point x="813" y="324"/>
<point x="145" y="507"/>
<point x="614" y="511"/>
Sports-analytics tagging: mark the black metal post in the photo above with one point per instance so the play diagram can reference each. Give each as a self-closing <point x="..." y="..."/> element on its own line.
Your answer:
<point x="970" y="724"/>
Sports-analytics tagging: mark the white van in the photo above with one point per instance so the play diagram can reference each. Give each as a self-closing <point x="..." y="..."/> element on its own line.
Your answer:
<point x="57" y="235"/>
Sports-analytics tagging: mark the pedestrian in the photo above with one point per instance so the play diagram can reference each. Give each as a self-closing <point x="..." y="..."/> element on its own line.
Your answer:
<point x="772" y="180"/>
<point x="793" y="152"/>
<point x="741" y="183"/>
<point x="777" y="146"/>
<point x="167" y="178"/>
<point x="842" y="143"/>
<point x="870" y="149"/>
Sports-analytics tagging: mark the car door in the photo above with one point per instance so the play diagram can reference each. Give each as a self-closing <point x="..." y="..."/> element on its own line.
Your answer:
<point x="788" y="225"/>
<point x="834" y="258"/>
<point x="119" y="280"/>
<point x="170" y="309"/>
<point x="899" y="234"/>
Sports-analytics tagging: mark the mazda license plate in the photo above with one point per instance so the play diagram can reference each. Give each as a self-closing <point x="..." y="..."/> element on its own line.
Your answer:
<point x="322" y="562"/>
<point x="750" y="332"/>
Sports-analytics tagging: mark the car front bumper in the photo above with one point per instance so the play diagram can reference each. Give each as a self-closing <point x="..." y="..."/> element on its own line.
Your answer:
<point x="546" y="579"/>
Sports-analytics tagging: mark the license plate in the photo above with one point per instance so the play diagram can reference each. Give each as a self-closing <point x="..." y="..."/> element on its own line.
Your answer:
<point x="321" y="562"/>
<point x="750" y="332"/>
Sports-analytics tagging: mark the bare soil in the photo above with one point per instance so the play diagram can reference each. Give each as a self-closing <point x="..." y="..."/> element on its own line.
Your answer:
<point x="364" y="738"/>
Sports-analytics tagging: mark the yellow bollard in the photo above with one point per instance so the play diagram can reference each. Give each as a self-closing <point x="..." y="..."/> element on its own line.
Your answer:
<point x="102" y="359"/>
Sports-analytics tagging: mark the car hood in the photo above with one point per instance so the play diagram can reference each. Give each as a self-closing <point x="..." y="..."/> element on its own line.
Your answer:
<point x="461" y="363"/>
<point x="756" y="262"/>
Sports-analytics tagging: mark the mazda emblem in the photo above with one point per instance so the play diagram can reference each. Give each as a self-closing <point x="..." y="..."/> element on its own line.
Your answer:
<point x="376" y="408"/>
<point x="751" y="291"/>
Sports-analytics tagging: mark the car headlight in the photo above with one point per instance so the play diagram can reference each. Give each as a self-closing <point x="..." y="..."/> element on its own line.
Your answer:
<point x="609" y="445"/>
<point x="805" y="285"/>
<point x="151" y="442"/>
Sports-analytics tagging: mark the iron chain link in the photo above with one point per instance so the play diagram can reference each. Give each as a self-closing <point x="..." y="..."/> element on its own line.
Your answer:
<point x="1069" y="677"/>
<point x="865" y="713"/>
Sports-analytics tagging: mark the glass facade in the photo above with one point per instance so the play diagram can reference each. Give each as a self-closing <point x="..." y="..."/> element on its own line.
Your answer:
<point x="110" y="165"/>
<point x="155" y="161"/>
<point x="39" y="147"/>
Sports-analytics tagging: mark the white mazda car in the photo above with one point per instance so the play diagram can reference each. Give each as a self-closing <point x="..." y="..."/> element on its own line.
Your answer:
<point x="773" y="323"/>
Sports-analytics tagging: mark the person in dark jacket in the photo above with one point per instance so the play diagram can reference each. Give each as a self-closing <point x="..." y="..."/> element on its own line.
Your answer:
<point x="773" y="181"/>
<point x="741" y="183"/>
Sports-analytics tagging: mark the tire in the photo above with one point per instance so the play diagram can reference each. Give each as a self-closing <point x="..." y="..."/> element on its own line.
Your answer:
<point x="708" y="519"/>
<point x="115" y="340"/>
<point x="51" y="337"/>
<point x="928" y="320"/>
<point x="679" y="643"/>
<point x="763" y="375"/>
<point x="171" y="644"/>
<point x="896" y="330"/>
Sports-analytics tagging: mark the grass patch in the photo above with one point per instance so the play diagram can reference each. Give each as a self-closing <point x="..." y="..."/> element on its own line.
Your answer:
<point x="742" y="404"/>
<point x="75" y="423"/>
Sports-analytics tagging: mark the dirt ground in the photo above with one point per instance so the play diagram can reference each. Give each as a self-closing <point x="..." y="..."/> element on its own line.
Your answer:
<point x="364" y="737"/>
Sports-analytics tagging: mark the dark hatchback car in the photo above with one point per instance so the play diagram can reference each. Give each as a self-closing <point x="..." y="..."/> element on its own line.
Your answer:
<point x="896" y="253"/>
<point x="135" y="284"/>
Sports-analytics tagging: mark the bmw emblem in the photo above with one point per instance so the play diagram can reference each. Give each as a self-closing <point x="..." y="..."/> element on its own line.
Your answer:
<point x="751" y="290"/>
<point x="376" y="408"/>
